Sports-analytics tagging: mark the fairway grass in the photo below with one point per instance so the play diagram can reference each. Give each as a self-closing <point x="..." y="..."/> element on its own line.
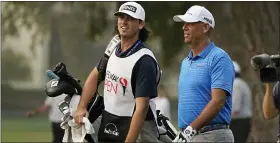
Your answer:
<point x="36" y="129"/>
<point x="26" y="130"/>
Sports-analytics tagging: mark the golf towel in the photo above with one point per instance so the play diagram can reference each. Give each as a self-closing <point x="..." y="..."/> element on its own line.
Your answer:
<point x="77" y="132"/>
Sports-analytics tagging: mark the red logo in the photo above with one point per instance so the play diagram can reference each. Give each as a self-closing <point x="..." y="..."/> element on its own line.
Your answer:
<point x="123" y="82"/>
<point x="111" y="86"/>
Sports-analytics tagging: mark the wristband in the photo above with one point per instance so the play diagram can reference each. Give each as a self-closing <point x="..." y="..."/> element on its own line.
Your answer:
<point x="190" y="130"/>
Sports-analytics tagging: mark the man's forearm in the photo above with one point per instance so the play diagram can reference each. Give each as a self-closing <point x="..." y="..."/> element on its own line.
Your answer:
<point x="269" y="108"/>
<point x="208" y="114"/>
<point x="42" y="108"/>
<point x="38" y="110"/>
<point x="86" y="96"/>
<point x="88" y="90"/>
<point x="135" y="126"/>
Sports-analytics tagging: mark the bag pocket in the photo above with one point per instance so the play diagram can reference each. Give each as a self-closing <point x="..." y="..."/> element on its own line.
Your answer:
<point x="113" y="128"/>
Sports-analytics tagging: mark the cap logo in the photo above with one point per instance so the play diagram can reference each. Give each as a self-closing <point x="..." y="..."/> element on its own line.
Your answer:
<point x="207" y="19"/>
<point x="129" y="8"/>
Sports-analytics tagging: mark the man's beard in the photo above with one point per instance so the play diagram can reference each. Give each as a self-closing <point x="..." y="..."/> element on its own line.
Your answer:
<point x="130" y="36"/>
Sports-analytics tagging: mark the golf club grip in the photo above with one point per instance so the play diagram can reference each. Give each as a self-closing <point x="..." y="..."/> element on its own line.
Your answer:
<point x="172" y="127"/>
<point x="51" y="74"/>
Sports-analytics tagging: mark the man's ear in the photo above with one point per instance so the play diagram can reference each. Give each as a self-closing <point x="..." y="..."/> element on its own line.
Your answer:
<point x="141" y="24"/>
<point x="206" y="28"/>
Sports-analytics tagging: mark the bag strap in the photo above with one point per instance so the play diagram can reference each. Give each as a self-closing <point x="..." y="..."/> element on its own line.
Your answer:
<point x="104" y="60"/>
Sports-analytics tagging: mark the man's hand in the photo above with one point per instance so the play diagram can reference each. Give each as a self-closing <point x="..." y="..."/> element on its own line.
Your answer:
<point x="234" y="115"/>
<point x="36" y="111"/>
<point x="186" y="135"/>
<point x="30" y="113"/>
<point x="79" y="114"/>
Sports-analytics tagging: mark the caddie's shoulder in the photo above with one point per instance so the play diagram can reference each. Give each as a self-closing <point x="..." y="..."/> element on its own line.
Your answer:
<point x="146" y="48"/>
<point x="148" y="52"/>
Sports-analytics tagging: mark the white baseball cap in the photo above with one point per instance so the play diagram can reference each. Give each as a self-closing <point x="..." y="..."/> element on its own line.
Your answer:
<point x="196" y="13"/>
<point x="237" y="68"/>
<point x="132" y="9"/>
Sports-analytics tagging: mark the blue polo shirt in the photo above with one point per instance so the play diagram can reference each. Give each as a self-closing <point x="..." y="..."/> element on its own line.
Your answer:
<point x="212" y="68"/>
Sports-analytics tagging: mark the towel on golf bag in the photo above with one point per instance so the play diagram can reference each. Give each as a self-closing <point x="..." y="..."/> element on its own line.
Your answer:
<point x="74" y="104"/>
<point x="78" y="132"/>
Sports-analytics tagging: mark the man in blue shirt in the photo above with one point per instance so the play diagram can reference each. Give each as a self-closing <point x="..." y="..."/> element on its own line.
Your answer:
<point x="205" y="82"/>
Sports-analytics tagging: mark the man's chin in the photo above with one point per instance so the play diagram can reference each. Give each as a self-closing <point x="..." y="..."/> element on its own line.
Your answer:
<point x="187" y="41"/>
<point x="124" y="35"/>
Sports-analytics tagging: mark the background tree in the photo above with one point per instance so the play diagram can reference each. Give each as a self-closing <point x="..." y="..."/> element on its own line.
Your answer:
<point x="73" y="26"/>
<point x="17" y="65"/>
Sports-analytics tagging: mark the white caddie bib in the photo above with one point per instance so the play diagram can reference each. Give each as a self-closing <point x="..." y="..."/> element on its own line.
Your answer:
<point x="118" y="97"/>
<point x="119" y="100"/>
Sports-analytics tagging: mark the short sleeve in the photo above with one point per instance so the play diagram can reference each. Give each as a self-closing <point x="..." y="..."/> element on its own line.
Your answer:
<point x="48" y="101"/>
<point x="144" y="77"/>
<point x="222" y="73"/>
<point x="97" y="66"/>
<point x="101" y="68"/>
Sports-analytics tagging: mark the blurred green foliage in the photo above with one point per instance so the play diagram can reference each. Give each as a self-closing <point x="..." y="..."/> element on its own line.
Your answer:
<point x="159" y="17"/>
<point x="16" y="15"/>
<point x="14" y="66"/>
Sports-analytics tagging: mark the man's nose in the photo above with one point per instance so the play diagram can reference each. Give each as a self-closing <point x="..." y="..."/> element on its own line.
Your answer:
<point x="125" y="19"/>
<point x="185" y="27"/>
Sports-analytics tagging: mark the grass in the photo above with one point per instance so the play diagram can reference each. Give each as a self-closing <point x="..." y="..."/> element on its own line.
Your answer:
<point x="37" y="129"/>
<point x="26" y="130"/>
